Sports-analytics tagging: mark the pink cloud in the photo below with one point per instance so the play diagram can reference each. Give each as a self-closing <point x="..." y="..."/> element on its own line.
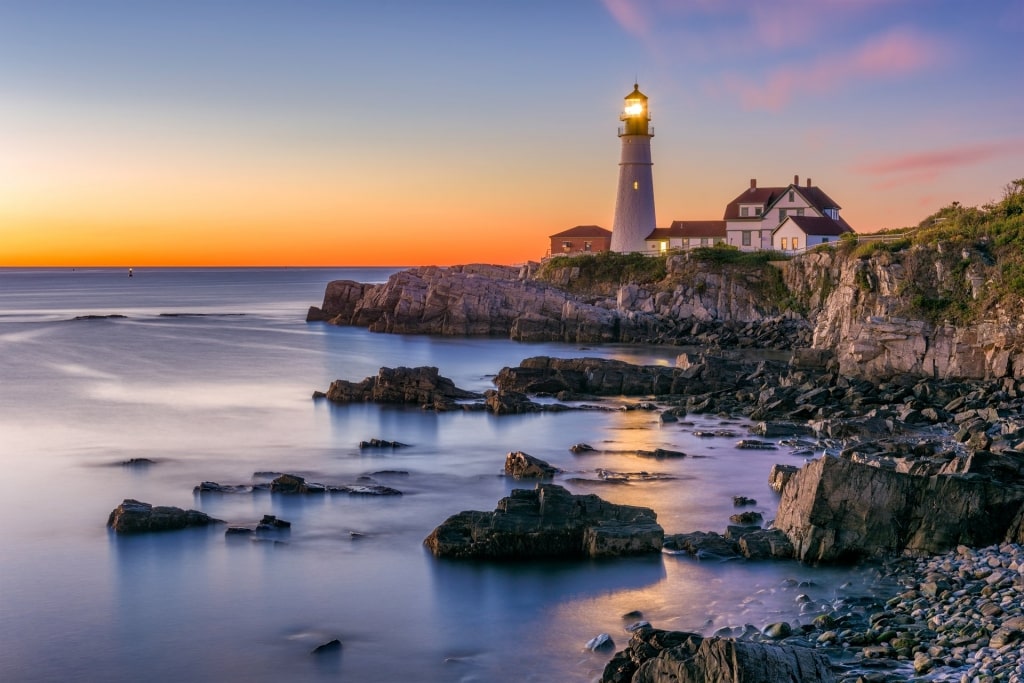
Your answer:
<point x="925" y="167"/>
<point x="896" y="53"/>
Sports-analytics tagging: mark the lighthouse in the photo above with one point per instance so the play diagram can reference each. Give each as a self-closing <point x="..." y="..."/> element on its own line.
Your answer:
<point x="634" y="203"/>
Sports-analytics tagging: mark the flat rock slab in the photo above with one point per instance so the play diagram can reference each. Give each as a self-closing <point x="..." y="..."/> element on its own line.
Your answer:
<point x="548" y="522"/>
<point x="132" y="516"/>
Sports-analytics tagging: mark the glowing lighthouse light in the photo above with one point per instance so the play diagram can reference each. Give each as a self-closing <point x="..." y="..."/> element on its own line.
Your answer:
<point x="634" y="203"/>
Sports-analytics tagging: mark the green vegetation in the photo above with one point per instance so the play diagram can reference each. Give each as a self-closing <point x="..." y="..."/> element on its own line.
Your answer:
<point x="724" y="253"/>
<point x="598" y="272"/>
<point x="980" y="244"/>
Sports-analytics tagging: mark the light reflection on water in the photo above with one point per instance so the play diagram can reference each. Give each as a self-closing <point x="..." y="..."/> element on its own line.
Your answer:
<point x="223" y="397"/>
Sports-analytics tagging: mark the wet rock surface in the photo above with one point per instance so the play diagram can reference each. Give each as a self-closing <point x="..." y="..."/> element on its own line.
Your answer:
<point x="422" y="386"/>
<point x="548" y="521"/>
<point x="658" y="656"/>
<point x="133" y="517"/>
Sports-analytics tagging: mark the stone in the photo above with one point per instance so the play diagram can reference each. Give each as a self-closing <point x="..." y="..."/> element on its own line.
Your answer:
<point x="524" y="466"/>
<point x="548" y="522"/>
<point x="748" y="518"/>
<point x="133" y="516"/>
<point x="600" y="643"/>
<point x="837" y="510"/>
<point x="421" y="386"/>
<point x="655" y="656"/>
<point x="330" y="647"/>
<point x="292" y="483"/>
<point x="780" y="475"/>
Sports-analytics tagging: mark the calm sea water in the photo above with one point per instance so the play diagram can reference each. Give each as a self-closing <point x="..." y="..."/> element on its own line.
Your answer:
<point x="210" y="374"/>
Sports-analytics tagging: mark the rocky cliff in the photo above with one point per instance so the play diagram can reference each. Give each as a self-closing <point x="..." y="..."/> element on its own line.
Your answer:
<point x="689" y="305"/>
<point x="921" y="310"/>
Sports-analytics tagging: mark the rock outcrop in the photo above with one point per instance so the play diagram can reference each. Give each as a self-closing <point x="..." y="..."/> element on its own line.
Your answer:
<point x="657" y="656"/>
<point x="548" y="522"/>
<point x="132" y="517"/>
<point x="524" y="466"/>
<point x="691" y="306"/>
<point x="421" y="386"/>
<point x="861" y="308"/>
<point x="835" y="509"/>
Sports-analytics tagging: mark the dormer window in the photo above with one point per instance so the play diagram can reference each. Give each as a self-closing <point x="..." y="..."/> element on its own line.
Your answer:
<point x="757" y="210"/>
<point x="832" y="213"/>
<point x="744" y="211"/>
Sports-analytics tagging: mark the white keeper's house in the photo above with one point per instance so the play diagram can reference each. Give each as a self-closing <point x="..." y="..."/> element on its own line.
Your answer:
<point x="790" y="219"/>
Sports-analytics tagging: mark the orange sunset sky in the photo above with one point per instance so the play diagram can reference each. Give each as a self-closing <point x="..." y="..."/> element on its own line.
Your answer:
<point x="256" y="132"/>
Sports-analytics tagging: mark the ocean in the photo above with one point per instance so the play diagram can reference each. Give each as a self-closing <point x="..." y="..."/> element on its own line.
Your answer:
<point x="210" y="373"/>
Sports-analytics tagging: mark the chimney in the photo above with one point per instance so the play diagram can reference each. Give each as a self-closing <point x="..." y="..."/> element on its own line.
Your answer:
<point x="753" y="183"/>
<point x="809" y="183"/>
<point x="796" y="180"/>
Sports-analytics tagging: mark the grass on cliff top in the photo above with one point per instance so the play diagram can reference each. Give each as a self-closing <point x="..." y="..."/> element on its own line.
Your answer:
<point x="986" y="242"/>
<point x="607" y="268"/>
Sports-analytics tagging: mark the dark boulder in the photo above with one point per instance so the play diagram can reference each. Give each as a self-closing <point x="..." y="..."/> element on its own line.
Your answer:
<point x="292" y="483"/>
<point x="524" y="466"/>
<point x="421" y="386"/>
<point x="548" y="521"/>
<point x="657" y="656"/>
<point x="132" y="516"/>
<point x="837" y="510"/>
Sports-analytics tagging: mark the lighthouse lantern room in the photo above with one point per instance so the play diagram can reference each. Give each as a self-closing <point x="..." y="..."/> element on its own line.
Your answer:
<point x="634" y="203"/>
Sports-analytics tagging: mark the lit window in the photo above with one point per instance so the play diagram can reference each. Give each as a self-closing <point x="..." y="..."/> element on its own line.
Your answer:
<point x="744" y="211"/>
<point x="636" y="184"/>
<point x="783" y="243"/>
<point x="664" y="247"/>
<point x="795" y="243"/>
<point x="567" y="245"/>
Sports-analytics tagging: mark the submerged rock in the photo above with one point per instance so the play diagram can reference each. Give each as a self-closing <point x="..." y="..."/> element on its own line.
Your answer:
<point x="132" y="516"/>
<point x="548" y="521"/>
<point x="330" y="647"/>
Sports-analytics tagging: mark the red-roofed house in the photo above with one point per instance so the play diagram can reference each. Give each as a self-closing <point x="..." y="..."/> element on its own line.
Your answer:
<point x="583" y="239"/>
<point x="686" y="235"/>
<point x="797" y="233"/>
<point x="752" y="218"/>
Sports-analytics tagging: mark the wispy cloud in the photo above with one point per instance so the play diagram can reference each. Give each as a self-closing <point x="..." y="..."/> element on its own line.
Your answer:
<point x="898" y="53"/>
<point x="921" y="167"/>
<point x="787" y="48"/>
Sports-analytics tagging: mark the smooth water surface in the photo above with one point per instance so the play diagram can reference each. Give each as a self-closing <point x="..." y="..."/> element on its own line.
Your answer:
<point x="210" y="374"/>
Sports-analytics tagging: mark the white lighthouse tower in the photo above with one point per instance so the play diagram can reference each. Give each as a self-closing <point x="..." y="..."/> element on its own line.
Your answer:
<point x="634" y="203"/>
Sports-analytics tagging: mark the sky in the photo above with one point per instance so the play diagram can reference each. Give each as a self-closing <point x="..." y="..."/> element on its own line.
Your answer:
<point x="404" y="132"/>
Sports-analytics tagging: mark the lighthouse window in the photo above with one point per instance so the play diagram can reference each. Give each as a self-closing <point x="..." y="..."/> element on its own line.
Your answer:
<point x="636" y="184"/>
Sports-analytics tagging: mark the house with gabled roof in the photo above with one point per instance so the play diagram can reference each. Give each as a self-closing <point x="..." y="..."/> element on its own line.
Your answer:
<point x="799" y="233"/>
<point x="686" y="235"/>
<point x="752" y="217"/>
<point x="583" y="239"/>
